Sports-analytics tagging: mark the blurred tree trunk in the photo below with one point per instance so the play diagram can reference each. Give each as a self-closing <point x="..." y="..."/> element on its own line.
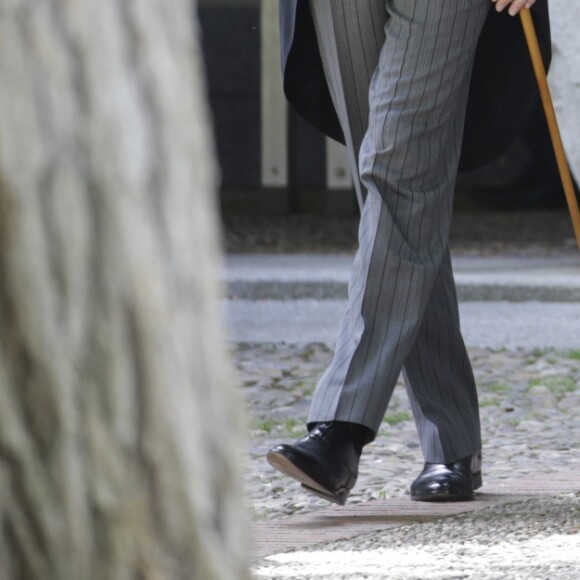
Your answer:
<point x="119" y="426"/>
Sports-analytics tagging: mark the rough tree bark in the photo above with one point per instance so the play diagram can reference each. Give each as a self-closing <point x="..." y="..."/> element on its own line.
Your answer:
<point x="119" y="426"/>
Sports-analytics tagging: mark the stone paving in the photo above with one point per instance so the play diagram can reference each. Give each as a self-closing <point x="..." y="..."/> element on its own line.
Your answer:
<point x="530" y="411"/>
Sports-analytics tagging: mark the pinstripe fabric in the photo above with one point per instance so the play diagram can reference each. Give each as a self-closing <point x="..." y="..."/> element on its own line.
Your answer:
<point x="399" y="75"/>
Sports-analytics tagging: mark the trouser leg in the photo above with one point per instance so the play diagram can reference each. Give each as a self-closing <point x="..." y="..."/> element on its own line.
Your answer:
<point x="419" y="57"/>
<point x="439" y="378"/>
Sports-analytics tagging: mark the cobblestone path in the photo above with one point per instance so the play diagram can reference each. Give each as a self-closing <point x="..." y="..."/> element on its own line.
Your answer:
<point x="530" y="411"/>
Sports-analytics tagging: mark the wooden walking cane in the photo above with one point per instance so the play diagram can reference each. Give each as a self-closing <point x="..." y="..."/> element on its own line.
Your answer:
<point x="540" y="71"/>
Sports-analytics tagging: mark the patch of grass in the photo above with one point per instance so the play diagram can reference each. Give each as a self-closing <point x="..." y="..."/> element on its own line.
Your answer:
<point x="572" y="354"/>
<point x="251" y="383"/>
<point x="258" y="515"/>
<point x="558" y="386"/>
<point x="267" y="425"/>
<point x="290" y="424"/>
<point x="307" y="354"/>
<point x="495" y="387"/>
<point x="499" y="349"/>
<point x="539" y="352"/>
<point x="517" y="421"/>
<point x="277" y="383"/>
<point x="488" y="403"/>
<point x="306" y="387"/>
<point x="282" y="427"/>
<point x="396" y="418"/>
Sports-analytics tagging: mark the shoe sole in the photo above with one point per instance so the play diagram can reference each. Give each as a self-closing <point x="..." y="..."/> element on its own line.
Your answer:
<point x="442" y="497"/>
<point x="339" y="498"/>
<point x="284" y="465"/>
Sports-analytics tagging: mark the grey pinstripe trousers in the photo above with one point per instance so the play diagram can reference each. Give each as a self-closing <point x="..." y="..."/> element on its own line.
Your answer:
<point x="399" y="74"/>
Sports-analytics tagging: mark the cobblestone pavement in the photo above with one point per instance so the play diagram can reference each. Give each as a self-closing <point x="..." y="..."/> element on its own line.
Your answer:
<point x="530" y="411"/>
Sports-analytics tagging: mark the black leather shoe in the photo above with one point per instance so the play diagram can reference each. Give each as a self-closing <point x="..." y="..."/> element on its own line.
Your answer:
<point x="448" y="482"/>
<point x="325" y="462"/>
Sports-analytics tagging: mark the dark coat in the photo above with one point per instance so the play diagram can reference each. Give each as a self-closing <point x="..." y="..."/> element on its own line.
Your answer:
<point x="503" y="92"/>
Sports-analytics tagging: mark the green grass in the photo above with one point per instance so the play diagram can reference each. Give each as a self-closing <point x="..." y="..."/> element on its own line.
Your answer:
<point x="499" y="349"/>
<point x="259" y="515"/>
<point x="488" y="403"/>
<point x="267" y="425"/>
<point x="572" y="354"/>
<point x="307" y="354"/>
<point x="282" y="428"/>
<point x="495" y="387"/>
<point x="517" y="421"/>
<point x="290" y="425"/>
<point x="304" y="387"/>
<point x="396" y="418"/>
<point x="250" y="383"/>
<point x="558" y="386"/>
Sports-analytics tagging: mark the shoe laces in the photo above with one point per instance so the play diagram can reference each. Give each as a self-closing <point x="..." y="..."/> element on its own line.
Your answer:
<point x="321" y="429"/>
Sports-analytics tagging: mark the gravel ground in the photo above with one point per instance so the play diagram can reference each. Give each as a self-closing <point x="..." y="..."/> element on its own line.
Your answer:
<point x="530" y="411"/>
<point x="536" y="539"/>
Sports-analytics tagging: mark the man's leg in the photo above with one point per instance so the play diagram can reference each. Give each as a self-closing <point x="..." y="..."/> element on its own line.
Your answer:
<point x="351" y="36"/>
<point x="439" y="379"/>
<point x="408" y="164"/>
